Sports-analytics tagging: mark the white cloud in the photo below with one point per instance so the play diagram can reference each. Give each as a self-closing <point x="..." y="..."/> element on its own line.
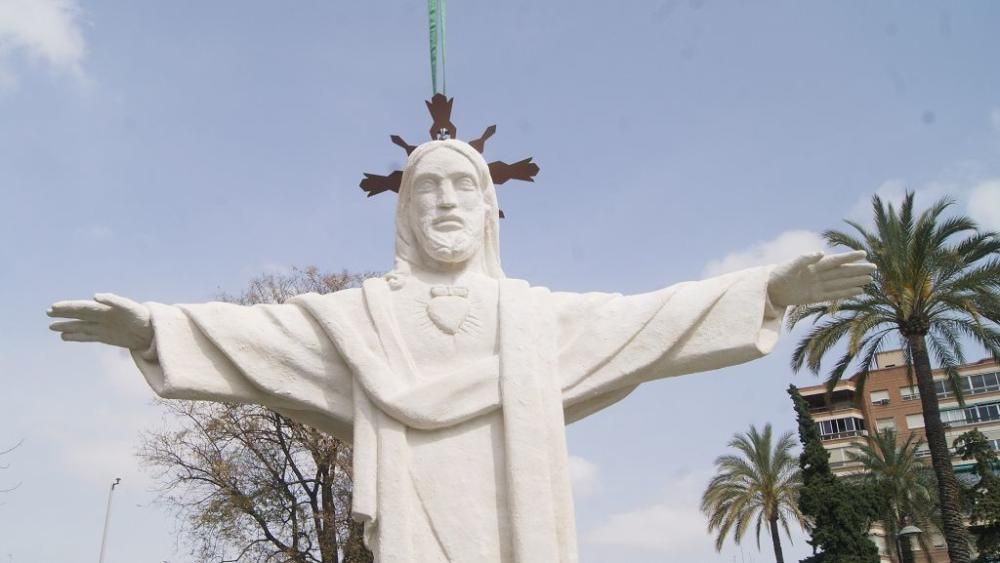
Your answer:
<point x="583" y="475"/>
<point x="47" y="30"/>
<point x="785" y="246"/>
<point x="101" y="460"/>
<point x="118" y="369"/>
<point x="675" y="527"/>
<point x="984" y="204"/>
<point x="661" y="527"/>
<point x="96" y="440"/>
<point x="91" y="426"/>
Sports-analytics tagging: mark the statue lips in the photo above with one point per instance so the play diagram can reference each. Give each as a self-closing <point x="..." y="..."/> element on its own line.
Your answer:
<point x="448" y="223"/>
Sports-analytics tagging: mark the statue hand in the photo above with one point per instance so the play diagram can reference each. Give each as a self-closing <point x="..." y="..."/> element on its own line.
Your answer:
<point x="109" y="318"/>
<point x="814" y="278"/>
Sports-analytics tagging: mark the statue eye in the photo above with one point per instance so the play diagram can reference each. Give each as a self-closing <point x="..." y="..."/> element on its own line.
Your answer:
<point x="466" y="183"/>
<point x="426" y="185"/>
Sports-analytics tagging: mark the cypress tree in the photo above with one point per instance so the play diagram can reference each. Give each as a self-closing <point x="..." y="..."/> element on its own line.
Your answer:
<point x="842" y="512"/>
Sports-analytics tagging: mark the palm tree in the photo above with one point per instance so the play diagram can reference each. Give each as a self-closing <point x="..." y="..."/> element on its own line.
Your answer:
<point x="904" y="482"/>
<point x="760" y="483"/>
<point x="937" y="284"/>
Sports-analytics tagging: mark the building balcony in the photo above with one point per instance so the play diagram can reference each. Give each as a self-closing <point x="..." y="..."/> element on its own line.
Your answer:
<point x="842" y="435"/>
<point x="842" y="398"/>
<point x="835" y="408"/>
<point x="842" y="385"/>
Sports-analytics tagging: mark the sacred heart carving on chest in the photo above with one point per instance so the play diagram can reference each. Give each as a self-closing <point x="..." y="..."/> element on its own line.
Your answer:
<point x="448" y="308"/>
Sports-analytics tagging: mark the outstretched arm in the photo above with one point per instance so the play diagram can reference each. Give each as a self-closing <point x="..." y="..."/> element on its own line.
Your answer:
<point x="274" y="355"/>
<point x="610" y="343"/>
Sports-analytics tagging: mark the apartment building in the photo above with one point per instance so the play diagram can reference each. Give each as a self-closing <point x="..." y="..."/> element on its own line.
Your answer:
<point x="844" y="418"/>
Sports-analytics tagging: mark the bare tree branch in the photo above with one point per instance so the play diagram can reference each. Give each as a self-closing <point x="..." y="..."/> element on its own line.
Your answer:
<point x="250" y="484"/>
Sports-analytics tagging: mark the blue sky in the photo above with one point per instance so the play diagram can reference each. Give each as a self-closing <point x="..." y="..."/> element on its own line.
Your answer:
<point x="171" y="150"/>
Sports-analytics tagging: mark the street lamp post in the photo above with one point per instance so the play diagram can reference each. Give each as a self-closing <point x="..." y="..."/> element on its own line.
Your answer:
<point x="903" y="537"/>
<point x="107" y="519"/>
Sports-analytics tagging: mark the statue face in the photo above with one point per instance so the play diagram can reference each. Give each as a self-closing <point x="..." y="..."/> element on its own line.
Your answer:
<point x="447" y="209"/>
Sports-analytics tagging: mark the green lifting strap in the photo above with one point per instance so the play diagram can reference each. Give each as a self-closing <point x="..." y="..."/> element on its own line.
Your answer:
<point x="436" y="26"/>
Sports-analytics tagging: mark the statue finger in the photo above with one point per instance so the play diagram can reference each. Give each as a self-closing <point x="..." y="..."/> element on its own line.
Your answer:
<point x="80" y="337"/>
<point x="80" y="309"/>
<point x="851" y="270"/>
<point x="846" y="283"/>
<point x="834" y="260"/>
<point x="807" y="259"/>
<point x="73" y="326"/>
<point x="116" y="301"/>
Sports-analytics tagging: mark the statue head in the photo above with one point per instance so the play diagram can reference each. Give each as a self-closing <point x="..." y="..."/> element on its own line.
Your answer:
<point x="447" y="213"/>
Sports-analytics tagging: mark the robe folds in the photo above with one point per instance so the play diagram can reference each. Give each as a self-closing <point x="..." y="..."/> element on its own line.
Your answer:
<point x="339" y="362"/>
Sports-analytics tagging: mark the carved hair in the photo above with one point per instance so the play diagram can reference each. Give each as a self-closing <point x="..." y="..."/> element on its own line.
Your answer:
<point x="406" y="243"/>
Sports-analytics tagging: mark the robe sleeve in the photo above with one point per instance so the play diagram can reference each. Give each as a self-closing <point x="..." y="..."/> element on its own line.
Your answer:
<point x="610" y="343"/>
<point x="272" y="355"/>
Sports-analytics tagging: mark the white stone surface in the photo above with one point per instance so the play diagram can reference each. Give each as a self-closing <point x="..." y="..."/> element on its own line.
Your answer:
<point x="453" y="382"/>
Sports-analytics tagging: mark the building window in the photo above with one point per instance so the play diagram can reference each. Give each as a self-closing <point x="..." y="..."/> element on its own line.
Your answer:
<point x="915" y="421"/>
<point x="953" y="417"/>
<point x="981" y="383"/>
<point x="982" y="413"/>
<point x="840" y="428"/>
<point x="884" y="424"/>
<point x="972" y="385"/>
<point x="838" y="457"/>
<point x="910" y="393"/>
<point x="880" y="397"/>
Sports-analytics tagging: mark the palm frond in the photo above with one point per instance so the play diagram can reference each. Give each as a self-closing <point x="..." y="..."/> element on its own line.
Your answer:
<point x="823" y="337"/>
<point x="977" y="246"/>
<point x="869" y="346"/>
<point x="943" y="344"/>
<point x="975" y="278"/>
<point x="839" y="238"/>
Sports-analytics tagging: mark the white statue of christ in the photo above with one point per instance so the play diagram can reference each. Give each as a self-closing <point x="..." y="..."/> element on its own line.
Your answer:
<point x="452" y="381"/>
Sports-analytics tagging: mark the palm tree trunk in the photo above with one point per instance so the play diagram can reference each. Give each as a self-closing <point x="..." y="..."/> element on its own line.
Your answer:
<point x="776" y="540"/>
<point x="951" y="515"/>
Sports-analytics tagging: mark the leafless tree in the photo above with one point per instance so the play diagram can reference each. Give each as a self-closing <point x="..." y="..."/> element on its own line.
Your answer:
<point x="5" y="466"/>
<point x="250" y="484"/>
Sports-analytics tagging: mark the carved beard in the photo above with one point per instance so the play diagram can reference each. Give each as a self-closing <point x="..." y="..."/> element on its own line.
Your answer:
<point x="450" y="247"/>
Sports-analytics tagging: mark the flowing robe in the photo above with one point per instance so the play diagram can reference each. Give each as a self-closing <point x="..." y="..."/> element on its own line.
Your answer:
<point x="472" y="465"/>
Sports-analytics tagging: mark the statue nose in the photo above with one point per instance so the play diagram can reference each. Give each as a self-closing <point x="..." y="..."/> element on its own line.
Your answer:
<point x="447" y="198"/>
